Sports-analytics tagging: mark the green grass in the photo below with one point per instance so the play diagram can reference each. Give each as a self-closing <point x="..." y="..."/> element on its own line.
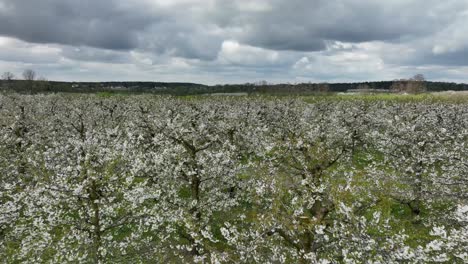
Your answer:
<point x="320" y="97"/>
<point x="404" y="98"/>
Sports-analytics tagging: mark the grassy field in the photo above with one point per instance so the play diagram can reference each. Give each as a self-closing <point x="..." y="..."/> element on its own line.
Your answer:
<point x="449" y="96"/>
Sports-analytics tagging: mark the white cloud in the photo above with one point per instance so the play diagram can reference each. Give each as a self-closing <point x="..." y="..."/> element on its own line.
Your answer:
<point x="14" y="50"/>
<point x="255" y="6"/>
<point x="453" y="38"/>
<point x="216" y="41"/>
<point x="232" y="52"/>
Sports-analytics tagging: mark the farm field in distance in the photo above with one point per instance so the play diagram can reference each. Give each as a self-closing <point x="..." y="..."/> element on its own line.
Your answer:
<point x="110" y="178"/>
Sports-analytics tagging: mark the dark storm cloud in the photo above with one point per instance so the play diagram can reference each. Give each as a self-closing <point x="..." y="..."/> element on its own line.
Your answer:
<point x="458" y="58"/>
<point x="256" y="37"/>
<point x="305" y="25"/>
<point x="108" y="24"/>
<point x="428" y="57"/>
<point x="300" y="25"/>
<point x="94" y="54"/>
<point x="183" y="40"/>
<point x="104" y="24"/>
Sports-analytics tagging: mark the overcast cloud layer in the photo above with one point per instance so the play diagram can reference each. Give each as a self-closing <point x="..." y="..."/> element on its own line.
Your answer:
<point x="226" y="41"/>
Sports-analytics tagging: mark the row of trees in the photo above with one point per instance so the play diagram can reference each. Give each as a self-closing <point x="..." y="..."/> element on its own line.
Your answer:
<point x="28" y="75"/>
<point x="144" y="179"/>
<point x="416" y="84"/>
<point x="30" y="81"/>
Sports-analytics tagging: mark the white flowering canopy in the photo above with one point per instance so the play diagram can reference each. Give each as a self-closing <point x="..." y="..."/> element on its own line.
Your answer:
<point x="145" y="179"/>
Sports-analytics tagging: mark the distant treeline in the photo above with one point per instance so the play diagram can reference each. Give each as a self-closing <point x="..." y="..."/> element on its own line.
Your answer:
<point x="39" y="86"/>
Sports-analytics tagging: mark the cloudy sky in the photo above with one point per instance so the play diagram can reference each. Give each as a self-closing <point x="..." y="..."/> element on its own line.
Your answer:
<point x="235" y="41"/>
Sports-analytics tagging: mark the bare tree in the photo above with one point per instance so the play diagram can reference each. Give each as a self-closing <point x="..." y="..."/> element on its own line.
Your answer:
<point x="419" y="78"/>
<point x="29" y="75"/>
<point x="8" y="76"/>
<point x="416" y="84"/>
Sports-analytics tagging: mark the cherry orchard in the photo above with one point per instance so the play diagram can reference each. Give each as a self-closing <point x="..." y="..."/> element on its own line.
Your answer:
<point x="148" y="179"/>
